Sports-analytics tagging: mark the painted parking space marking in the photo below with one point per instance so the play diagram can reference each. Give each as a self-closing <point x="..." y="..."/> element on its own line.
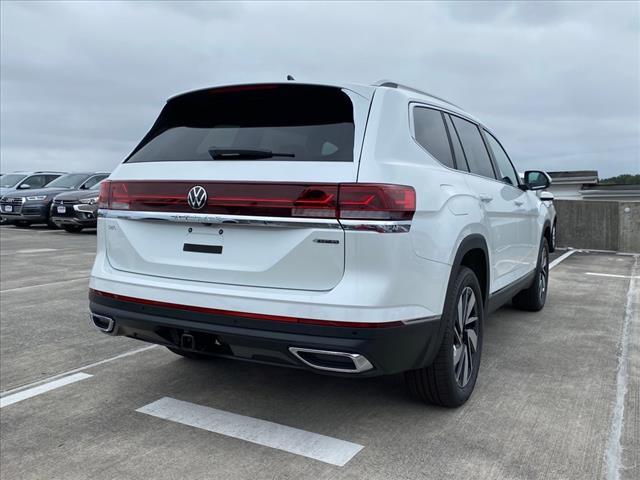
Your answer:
<point x="293" y="440"/>
<point x="37" y="250"/>
<point x="43" y="388"/>
<point x="75" y="370"/>
<point x="613" y="453"/>
<point x="610" y="275"/>
<point x="85" y="278"/>
<point x="561" y="258"/>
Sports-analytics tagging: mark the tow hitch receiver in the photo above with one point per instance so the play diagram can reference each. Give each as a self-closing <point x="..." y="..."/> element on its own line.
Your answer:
<point x="187" y="342"/>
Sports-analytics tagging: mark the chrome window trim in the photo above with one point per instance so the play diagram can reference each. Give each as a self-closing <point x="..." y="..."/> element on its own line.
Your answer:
<point x="380" y="226"/>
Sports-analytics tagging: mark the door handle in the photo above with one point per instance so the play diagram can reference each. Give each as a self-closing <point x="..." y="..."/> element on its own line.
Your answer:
<point x="518" y="203"/>
<point x="485" y="198"/>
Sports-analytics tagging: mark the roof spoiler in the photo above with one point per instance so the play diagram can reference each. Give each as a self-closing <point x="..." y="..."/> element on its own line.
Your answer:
<point x="390" y="84"/>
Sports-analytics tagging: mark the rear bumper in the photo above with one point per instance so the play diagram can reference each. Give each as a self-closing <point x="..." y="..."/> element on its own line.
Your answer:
<point x="389" y="350"/>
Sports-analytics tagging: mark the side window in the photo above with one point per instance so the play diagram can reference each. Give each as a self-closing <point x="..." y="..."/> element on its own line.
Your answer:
<point x="36" y="181"/>
<point x="51" y="178"/>
<point x="93" y="180"/>
<point x="432" y="135"/>
<point x="474" y="148"/>
<point x="507" y="173"/>
<point x="461" y="162"/>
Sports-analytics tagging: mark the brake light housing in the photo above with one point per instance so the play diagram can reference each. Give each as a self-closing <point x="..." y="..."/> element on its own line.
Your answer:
<point x="348" y="201"/>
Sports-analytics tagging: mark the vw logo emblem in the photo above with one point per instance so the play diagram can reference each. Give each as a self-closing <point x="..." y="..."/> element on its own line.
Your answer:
<point x="197" y="197"/>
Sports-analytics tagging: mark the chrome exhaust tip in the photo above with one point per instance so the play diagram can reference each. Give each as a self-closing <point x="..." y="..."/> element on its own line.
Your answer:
<point x="102" y="323"/>
<point x="342" y="362"/>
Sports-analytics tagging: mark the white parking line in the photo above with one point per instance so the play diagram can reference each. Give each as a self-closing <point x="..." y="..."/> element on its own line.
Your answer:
<point x="613" y="454"/>
<point x="611" y="275"/>
<point x="26" y="287"/>
<point x="293" y="440"/>
<point x="46" y="387"/>
<point x="561" y="258"/>
<point x="85" y="367"/>
<point x="37" y="250"/>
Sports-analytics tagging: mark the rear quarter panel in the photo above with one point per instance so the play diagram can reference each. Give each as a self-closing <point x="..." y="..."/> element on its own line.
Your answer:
<point x="447" y="211"/>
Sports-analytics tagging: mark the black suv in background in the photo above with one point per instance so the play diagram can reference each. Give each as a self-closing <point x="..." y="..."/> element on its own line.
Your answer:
<point x="34" y="206"/>
<point x="76" y="210"/>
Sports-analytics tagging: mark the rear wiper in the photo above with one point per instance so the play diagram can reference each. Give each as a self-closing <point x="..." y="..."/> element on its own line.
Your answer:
<point x="244" y="154"/>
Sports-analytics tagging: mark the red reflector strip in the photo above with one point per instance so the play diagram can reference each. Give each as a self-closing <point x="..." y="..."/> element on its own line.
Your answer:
<point x="253" y="316"/>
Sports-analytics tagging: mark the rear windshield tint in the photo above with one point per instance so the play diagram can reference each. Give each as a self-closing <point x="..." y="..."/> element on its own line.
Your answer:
<point x="314" y="123"/>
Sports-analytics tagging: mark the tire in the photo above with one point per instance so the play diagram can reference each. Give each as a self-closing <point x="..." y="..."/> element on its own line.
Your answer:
<point x="552" y="246"/>
<point x="22" y="224"/>
<point x="51" y="225"/>
<point x="534" y="297"/>
<point x="72" y="228"/>
<point x="449" y="382"/>
<point x="189" y="355"/>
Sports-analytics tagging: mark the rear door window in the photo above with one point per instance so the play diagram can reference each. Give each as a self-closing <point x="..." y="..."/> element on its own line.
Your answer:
<point x="461" y="161"/>
<point x="93" y="181"/>
<point x="474" y="148"/>
<point x="430" y="132"/>
<point x="303" y="122"/>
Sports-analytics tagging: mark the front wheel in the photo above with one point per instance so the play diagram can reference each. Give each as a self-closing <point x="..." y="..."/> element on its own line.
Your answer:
<point x="450" y="379"/>
<point x="72" y="228"/>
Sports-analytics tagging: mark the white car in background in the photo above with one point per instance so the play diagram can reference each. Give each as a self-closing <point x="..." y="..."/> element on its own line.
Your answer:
<point x="351" y="230"/>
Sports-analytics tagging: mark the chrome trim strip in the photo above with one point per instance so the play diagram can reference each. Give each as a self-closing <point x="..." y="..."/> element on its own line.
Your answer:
<point x="360" y="362"/>
<point x="83" y="207"/>
<point x="205" y="218"/>
<point x="380" y="226"/>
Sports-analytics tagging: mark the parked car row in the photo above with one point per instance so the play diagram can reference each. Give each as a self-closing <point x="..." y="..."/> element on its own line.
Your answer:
<point x="64" y="200"/>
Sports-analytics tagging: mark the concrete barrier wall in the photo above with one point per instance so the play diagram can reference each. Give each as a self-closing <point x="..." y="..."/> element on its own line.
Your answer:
<point x="598" y="225"/>
<point x="629" y="227"/>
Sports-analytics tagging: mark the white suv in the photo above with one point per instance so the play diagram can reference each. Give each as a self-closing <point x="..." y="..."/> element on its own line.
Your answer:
<point x="349" y="230"/>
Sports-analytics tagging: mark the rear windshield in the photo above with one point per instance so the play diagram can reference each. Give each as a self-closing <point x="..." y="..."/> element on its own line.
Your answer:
<point x="307" y="123"/>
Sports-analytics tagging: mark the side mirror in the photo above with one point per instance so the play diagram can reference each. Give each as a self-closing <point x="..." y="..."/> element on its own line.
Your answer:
<point x="24" y="186"/>
<point x="546" y="196"/>
<point x="536" y="180"/>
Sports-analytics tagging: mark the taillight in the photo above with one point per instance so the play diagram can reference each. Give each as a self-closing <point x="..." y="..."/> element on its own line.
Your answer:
<point x="364" y="201"/>
<point x="336" y="201"/>
<point x="103" y="197"/>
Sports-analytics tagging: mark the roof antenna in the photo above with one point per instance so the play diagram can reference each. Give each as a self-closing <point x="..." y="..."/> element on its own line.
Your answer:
<point x="290" y="78"/>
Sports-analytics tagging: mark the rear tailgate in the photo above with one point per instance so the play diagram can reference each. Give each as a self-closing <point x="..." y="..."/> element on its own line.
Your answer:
<point x="266" y="222"/>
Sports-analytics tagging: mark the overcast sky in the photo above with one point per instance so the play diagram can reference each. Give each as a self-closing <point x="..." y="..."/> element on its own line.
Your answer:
<point x="81" y="83"/>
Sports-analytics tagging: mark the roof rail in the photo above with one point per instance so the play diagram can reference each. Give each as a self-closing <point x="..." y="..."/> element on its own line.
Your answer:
<point x="391" y="84"/>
